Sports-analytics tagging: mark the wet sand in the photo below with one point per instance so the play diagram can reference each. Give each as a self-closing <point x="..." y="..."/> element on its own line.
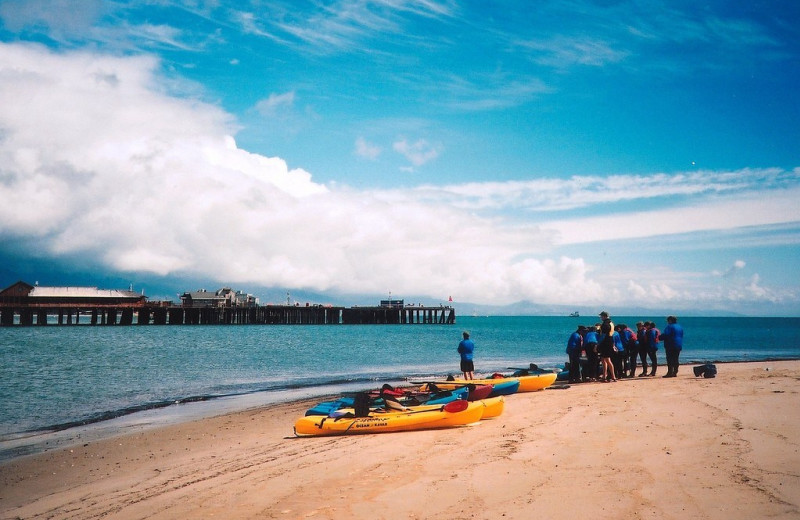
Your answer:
<point x="645" y="448"/>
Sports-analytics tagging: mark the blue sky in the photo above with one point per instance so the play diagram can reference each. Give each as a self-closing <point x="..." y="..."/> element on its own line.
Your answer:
<point x="586" y="154"/>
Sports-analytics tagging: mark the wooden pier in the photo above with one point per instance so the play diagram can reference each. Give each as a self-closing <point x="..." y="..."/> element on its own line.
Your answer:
<point x="104" y="315"/>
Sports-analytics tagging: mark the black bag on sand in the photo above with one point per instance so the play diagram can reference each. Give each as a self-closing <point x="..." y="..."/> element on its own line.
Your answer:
<point x="708" y="370"/>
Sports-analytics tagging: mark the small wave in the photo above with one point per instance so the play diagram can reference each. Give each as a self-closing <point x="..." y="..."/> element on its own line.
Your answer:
<point x="113" y="414"/>
<point x="225" y="392"/>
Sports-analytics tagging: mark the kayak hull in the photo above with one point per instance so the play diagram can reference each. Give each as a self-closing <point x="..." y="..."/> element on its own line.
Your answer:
<point x="529" y="383"/>
<point x="416" y="418"/>
<point x="493" y="407"/>
<point x="506" y="388"/>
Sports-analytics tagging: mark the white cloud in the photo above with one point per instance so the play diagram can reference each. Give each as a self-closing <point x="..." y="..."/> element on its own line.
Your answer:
<point x="341" y="26"/>
<point x="366" y="149"/>
<point x="617" y="191"/>
<point x="737" y="266"/>
<point x="98" y="163"/>
<point x="418" y="152"/>
<point x="59" y="17"/>
<point x="562" y="52"/>
<point x="739" y="210"/>
<point x="275" y="103"/>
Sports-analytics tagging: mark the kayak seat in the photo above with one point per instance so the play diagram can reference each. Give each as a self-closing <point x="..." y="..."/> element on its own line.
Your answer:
<point x="394" y="404"/>
<point x="361" y="404"/>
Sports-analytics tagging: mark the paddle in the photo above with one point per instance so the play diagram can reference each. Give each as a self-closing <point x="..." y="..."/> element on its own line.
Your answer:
<point x="459" y="405"/>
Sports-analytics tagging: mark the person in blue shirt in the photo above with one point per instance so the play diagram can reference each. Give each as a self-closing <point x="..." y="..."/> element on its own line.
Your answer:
<point x="466" y="348"/>
<point x="631" y="350"/>
<point x="574" y="348"/>
<point x="641" y="337"/>
<point x="673" y="344"/>
<point x="592" y="356"/>
<point x="620" y="355"/>
<point x="652" y="346"/>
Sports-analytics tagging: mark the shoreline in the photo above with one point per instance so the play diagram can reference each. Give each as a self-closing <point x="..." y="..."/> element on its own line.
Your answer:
<point x="28" y="443"/>
<point x="691" y="447"/>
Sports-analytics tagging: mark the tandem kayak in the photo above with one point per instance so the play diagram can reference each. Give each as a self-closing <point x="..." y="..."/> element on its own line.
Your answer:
<point x="527" y="383"/>
<point x="425" y="417"/>
<point x="408" y="399"/>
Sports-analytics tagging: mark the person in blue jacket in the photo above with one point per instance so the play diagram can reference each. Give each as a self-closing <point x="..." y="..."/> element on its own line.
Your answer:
<point x="652" y="346"/>
<point x="631" y="350"/>
<point x="592" y="357"/>
<point x="466" y="348"/>
<point x="620" y="355"/>
<point x="574" y="348"/>
<point x="673" y="344"/>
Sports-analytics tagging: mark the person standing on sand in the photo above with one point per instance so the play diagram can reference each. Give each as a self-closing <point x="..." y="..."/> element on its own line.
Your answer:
<point x="652" y="346"/>
<point x="466" y="348"/>
<point x="590" y="345"/>
<point x="606" y="318"/>
<point x="641" y="334"/>
<point x="606" y="348"/>
<point x="574" y="347"/>
<point x="673" y="344"/>
<point x="619" y="355"/>
<point x="630" y="339"/>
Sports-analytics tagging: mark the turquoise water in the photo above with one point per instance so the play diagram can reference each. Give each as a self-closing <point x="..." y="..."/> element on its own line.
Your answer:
<point x="55" y="378"/>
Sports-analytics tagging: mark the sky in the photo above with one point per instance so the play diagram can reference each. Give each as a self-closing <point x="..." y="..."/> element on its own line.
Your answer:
<point x="571" y="154"/>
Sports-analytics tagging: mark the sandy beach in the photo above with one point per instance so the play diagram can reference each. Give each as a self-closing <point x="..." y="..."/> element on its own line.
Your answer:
<point x="644" y="448"/>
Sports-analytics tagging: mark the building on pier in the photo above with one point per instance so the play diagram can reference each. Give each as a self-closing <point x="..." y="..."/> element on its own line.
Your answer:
<point x="24" y="294"/>
<point x="225" y="297"/>
<point x="24" y="304"/>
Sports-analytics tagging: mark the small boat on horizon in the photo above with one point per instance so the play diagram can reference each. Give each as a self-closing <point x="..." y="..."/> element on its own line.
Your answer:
<point x="575" y="314"/>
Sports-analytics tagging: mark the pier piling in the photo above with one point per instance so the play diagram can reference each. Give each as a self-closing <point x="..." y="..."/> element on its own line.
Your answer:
<point x="68" y="315"/>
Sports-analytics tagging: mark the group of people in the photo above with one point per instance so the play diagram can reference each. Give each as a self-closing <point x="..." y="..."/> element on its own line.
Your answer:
<point x="606" y="352"/>
<point x="614" y="349"/>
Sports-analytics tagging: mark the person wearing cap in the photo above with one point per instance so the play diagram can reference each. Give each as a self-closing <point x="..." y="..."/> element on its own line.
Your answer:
<point x="606" y="323"/>
<point x="673" y="344"/>
<point x="466" y="348"/>
<point x="574" y="347"/>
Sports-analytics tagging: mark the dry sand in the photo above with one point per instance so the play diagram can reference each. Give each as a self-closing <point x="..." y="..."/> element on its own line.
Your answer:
<point x="646" y="448"/>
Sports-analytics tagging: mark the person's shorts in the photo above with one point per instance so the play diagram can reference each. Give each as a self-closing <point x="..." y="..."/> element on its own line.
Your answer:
<point x="467" y="365"/>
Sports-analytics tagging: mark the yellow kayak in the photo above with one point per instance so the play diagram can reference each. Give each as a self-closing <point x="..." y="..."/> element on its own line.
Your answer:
<point x="455" y="413"/>
<point x="528" y="383"/>
<point x="493" y="406"/>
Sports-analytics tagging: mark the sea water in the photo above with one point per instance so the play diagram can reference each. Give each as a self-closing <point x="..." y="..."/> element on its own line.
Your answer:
<point x="57" y="378"/>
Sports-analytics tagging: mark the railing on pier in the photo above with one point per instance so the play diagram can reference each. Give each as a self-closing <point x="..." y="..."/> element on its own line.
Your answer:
<point x="256" y="315"/>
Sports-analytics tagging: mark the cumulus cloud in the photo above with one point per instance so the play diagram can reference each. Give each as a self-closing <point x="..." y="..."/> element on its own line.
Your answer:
<point x="103" y="166"/>
<point x="98" y="163"/>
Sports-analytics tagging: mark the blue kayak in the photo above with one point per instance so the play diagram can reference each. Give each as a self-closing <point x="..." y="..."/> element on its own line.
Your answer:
<point x="443" y="397"/>
<point x="504" y="388"/>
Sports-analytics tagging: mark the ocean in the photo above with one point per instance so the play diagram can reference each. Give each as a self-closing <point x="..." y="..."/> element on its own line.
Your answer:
<point x="104" y="378"/>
